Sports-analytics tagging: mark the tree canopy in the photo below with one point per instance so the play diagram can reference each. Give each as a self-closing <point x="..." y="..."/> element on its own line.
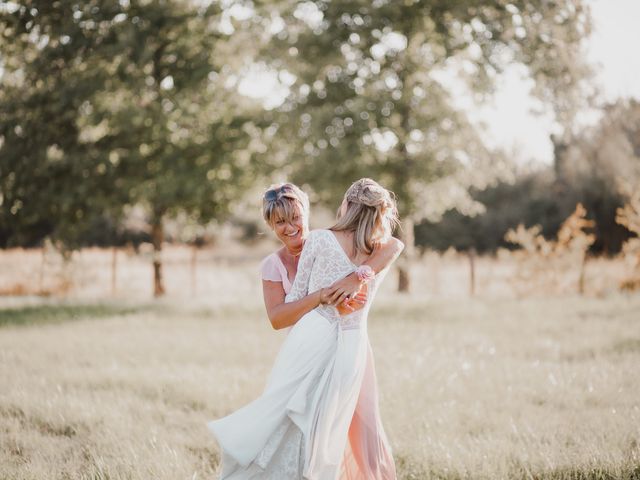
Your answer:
<point x="110" y="103"/>
<point x="371" y="96"/>
<point x="107" y="104"/>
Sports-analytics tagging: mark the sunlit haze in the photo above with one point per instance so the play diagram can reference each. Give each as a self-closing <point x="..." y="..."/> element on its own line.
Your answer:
<point x="509" y="116"/>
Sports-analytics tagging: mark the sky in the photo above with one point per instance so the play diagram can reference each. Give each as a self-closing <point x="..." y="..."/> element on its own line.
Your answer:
<point x="612" y="48"/>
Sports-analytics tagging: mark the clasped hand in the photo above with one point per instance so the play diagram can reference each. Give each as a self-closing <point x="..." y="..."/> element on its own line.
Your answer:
<point x="347" y="295"/>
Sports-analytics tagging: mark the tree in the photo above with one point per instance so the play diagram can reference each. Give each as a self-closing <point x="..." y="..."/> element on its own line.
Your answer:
<point x="598" y="165"/>
<point x="525" y="201"/>
<point x="111" y="103"/>
<point x="51" y="181"/>
<point x="370" y="96"/>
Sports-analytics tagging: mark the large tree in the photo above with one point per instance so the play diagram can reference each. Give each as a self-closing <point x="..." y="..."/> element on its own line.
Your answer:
<point x="51" y="181"/>
<point x="110" y="103"/>
<point x="371" y="96"/>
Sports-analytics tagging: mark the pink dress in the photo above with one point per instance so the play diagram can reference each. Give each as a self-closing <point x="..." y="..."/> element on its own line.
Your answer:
<point x="318" y="417"/>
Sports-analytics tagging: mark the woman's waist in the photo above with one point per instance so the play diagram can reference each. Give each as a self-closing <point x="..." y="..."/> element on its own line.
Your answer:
<point x="356" y="319"/>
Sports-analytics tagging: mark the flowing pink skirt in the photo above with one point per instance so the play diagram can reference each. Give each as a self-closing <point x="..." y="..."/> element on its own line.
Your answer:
<point x="368" y="454"/>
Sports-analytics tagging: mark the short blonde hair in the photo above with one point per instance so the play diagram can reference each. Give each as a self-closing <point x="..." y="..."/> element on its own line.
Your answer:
<point x="282" y="201"/>
<point x="371" y="214"/>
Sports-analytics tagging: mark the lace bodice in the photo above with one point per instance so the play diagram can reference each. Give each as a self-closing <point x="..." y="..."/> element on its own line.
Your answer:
<point x="322" y="262"/>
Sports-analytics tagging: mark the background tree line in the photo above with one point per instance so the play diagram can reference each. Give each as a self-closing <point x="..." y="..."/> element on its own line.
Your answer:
<point x="598" y="167"/>
<point x="106" y="105"/>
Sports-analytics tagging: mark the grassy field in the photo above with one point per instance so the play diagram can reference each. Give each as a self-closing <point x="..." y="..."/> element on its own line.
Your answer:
<point x="487" y="389"/>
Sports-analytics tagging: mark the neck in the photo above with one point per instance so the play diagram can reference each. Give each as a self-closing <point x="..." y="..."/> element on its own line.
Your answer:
<point x="295" y="252"/>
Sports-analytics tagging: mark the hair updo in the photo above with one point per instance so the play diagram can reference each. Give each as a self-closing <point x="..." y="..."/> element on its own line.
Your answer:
<point x="371" y="214"/>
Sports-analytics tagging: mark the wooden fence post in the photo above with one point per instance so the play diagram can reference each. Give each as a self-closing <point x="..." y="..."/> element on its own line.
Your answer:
<point x="114" y="269"/>
<point x="42" y="265"/>
<point x="472" y="271"/>
<point x="194" y="258"/>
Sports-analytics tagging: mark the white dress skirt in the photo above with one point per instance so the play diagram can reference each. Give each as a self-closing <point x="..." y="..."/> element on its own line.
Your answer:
<point x="318" y="417"/>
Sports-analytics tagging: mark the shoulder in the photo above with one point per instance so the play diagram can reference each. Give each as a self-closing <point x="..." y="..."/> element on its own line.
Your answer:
<point x="318" y="232"/>
<point x="395" y="244"/>
<point x="270" y="268"/>
<point x="390" y="244"/>
<point x="315" y="235"/>
<point x="269" y="258"/>
<point x="313" y="242"/>
<point x="319" y="236"/>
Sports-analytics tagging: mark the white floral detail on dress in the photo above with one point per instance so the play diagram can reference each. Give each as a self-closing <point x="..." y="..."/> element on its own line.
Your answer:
<point x="283" y="455"/>
<point x="323" y="261"/>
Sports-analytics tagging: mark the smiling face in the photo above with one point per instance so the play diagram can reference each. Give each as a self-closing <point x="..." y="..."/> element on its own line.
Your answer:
<point x="291" y="230"/>
<point x="285" y="208"/>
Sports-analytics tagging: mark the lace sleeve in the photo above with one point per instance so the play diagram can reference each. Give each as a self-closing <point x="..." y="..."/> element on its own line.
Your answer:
<point x="300" y="286"/>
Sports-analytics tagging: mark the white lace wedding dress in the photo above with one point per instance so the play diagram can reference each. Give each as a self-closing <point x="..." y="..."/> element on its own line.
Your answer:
<point x="305" y="425"/>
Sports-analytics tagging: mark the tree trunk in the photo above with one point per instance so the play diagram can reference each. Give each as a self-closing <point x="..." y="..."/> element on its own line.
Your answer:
<point x="581" y="278"/>
<point x="157" y="237"/>
<point x="472" y="271"/>
<point x="114" y="268"/>
<point x="404" y="262"/>
<point x="43" y="262"/>
<point x="404" y="177"/>
<point x="194" y="260"/>
<point x="435" y="273"/>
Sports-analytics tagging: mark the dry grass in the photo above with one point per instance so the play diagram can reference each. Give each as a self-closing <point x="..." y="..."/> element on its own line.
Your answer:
<point x="547" y="266"/>
<point x="629" y="217"/>
<point x="487" y="389"/>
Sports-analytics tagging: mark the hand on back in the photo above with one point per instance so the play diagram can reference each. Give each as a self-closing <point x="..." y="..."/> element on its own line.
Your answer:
<point x="345" y="303"/>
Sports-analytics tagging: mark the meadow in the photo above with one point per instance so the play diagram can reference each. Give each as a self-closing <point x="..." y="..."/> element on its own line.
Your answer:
<point x="486" y="387"/>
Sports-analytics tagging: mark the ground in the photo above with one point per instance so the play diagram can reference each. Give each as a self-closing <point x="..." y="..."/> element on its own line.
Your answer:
<point x="544" y="388"/>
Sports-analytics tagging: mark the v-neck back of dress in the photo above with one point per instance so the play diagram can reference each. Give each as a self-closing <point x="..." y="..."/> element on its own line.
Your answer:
<point x="346" y="255"/>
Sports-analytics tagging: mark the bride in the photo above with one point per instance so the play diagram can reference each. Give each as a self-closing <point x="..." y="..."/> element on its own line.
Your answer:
<point x="299" y="427"/>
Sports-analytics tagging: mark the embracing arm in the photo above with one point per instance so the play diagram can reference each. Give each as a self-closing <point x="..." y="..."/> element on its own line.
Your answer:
<point x="383" y="256"/>
<point x="283" y="314"/>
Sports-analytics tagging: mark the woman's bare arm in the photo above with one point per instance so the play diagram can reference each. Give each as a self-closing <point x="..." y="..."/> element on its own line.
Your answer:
<point x="283" y="314"/>
<point x="385" y="254"/>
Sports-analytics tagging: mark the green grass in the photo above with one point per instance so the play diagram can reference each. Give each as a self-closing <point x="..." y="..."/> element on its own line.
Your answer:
<point x="42" y="314"/>
<point x="475" y="389"/>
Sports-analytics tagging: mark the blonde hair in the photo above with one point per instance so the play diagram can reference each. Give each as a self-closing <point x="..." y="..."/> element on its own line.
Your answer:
<point x="371" y="214"/>
<point x="283" y="201"/>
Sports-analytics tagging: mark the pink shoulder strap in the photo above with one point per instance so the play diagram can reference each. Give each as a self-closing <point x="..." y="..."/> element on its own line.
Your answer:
<point x="273" y="270"/>
<point x="269" y="268"/>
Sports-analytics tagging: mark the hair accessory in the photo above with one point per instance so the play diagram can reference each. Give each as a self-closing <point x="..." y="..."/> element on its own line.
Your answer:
<point x="365" y="273"/>
<point x="355" y="193"/>
<point x="273" y="193"/>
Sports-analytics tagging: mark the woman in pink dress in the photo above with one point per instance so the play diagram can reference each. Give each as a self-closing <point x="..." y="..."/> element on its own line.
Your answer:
<point x="277" y="447"/>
